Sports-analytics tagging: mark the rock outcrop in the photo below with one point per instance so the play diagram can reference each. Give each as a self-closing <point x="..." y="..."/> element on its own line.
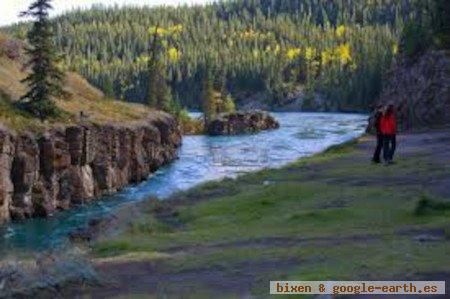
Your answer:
<point x="241" y="123"/>
<point x="420" y="90"/>
<point x="72" y="165"/>
<point x="292" y="101"/>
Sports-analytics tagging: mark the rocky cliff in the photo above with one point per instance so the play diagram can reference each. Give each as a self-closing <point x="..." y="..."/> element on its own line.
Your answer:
<point x="420" y="89"/>
<point x="293" y="101"/>
<point x="241" y="123"/>
<point x="71" y="165"/>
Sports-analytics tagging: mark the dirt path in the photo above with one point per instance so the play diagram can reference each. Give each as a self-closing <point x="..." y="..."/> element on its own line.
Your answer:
<point x="153" y="278"/>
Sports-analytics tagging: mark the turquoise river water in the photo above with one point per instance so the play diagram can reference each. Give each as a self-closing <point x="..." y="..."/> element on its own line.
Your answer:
<point x="201" y="158"/>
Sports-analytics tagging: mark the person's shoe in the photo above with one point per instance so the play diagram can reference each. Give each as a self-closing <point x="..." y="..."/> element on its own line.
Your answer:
<point x="375" y="161"/>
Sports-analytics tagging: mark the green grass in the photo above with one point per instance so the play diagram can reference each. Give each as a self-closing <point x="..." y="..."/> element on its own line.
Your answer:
<point x="427" y="205"/>
<point x="15" y="118"/>
<point x="343" y="229"/>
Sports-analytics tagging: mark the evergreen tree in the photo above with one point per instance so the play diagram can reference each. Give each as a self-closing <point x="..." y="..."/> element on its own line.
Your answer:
<point x="440" y="22"/>
<point x="220" y="83"/>
<point x="208" y="97"/>
<point x="274" y="47"/>
<point x="108" y="87"/>
<point x="159" y="94"/>
<point x="46" y="79"/>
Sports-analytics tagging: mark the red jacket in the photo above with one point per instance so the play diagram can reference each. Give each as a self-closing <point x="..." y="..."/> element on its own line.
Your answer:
<point x="388" y="125"/>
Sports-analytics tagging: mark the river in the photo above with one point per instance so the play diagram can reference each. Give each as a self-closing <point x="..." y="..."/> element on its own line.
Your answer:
<point x="201" y="159"/>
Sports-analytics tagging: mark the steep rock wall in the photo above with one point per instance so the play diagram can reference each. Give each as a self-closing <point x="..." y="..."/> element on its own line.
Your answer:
<point x="420" y="90"/>
<point x="72" y="165"/>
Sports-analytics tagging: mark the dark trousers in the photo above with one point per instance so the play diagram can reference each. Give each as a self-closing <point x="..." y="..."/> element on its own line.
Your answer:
<point x="376" y="154"/>
<point x="389" y="144"/>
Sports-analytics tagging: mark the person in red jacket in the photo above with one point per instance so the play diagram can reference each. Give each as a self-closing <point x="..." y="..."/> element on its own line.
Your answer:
<point x="388" y="128"/>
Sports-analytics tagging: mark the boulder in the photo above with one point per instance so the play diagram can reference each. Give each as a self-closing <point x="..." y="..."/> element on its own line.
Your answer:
<point x="241" y="123"/>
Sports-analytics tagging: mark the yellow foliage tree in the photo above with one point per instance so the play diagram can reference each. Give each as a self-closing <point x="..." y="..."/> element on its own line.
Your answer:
<point x="343" y="52"/>
<point x="340" y="31"/>
<point x="310" y="53"/>
<point x="176" y="29"/>
<point x="395" y="49"/>
<point x="174" y="54"/>
<point x="327" y="56"/>
<point x="142" y="60"/>
<point x="159" y="31"/>
<point x="293" y="53"/>
<point x="173" y="30"/>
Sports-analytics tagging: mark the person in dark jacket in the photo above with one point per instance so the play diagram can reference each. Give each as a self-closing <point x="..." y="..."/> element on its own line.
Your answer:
<point x="388" y="127"/>
<point x="374" y="125"/>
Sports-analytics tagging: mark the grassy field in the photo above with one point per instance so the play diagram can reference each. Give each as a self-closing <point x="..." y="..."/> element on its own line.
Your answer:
<point x="333" y="216"/>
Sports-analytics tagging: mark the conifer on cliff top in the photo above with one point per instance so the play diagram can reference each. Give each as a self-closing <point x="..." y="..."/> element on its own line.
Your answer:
<point x="45" y="79"/>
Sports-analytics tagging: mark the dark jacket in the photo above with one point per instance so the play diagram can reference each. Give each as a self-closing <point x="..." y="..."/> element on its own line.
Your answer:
<point x="374" y="122"/>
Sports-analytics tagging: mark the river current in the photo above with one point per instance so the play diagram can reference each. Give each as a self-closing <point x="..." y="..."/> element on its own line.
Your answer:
<point x="201" y="159"/>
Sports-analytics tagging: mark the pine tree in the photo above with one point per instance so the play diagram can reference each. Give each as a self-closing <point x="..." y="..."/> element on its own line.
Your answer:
<point x="208" y="97"/>
<point x="275" y="46"/>
<point x="440" y="21"/>
<point x="108" y="87"/>
<point x="159" y="94"/>
<point x="46" y="79"/>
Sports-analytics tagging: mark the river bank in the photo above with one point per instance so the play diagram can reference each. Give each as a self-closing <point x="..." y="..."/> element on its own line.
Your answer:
<point x="66" y="166"/>
<point x="201" y="159"/>
<point x="332" y="216"/>
<point x="326" y="217"/>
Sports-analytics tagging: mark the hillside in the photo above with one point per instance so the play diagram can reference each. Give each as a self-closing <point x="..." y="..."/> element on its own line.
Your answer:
<point x="336" y="48"/>
<point x="80" y="96"/>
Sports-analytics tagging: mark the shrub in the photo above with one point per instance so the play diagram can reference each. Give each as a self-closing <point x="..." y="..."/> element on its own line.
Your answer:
<point x="9" y="47"/>
<point x="46" y="273"/>
<point x="190" y="125"/>
<point x="12" y="49"/>
<point x="426" y="205"/>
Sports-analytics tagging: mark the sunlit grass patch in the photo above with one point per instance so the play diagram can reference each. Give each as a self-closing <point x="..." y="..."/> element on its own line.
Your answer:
<point x="114" y="247"/>
<point x="132" y="257"/>
<point x="15" y="118"/>
<point x="79" y="97"/>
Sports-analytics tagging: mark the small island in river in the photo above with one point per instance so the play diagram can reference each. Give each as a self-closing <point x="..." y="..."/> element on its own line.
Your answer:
<point x="241" y="123"/>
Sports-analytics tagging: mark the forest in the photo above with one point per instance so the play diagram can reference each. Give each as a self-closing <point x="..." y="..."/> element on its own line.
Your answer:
<point x="338" y="49"/>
